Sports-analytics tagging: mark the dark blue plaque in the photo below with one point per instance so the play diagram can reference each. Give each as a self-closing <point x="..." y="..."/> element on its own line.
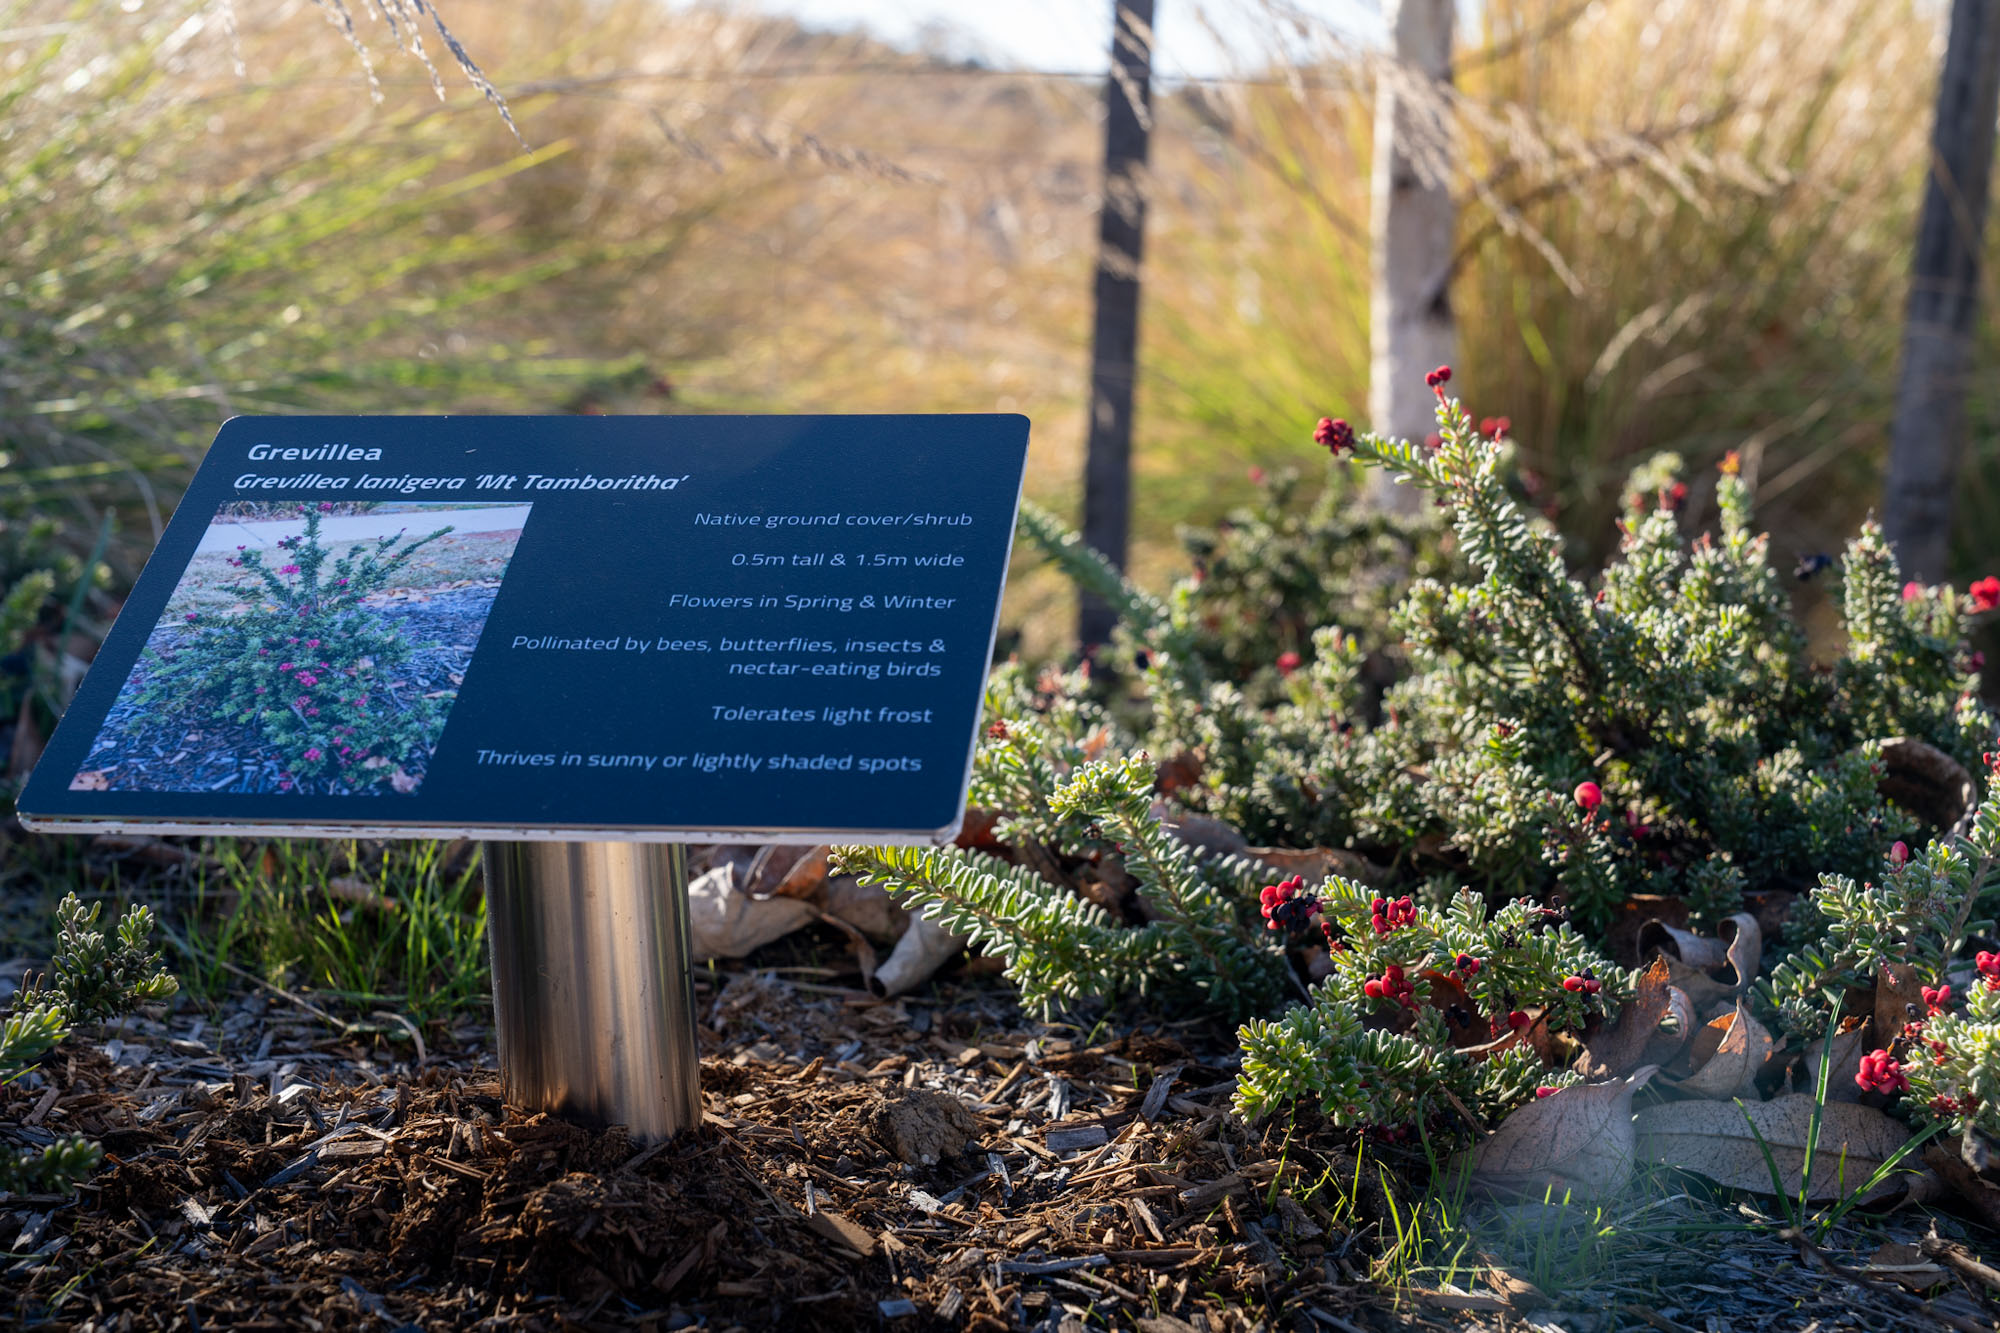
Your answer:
<point x="642" y="628"/>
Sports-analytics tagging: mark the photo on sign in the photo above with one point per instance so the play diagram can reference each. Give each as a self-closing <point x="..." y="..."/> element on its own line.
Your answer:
<point x="313" y="648"/>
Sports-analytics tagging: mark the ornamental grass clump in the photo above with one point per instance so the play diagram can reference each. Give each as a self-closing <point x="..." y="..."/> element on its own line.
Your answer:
<point x="307" y="664"/>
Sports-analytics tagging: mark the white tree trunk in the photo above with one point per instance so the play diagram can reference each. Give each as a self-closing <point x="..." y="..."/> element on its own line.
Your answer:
<point x="1411" y="330"/>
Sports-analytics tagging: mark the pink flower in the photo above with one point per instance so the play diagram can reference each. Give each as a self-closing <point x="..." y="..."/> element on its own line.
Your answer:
<point x="312" y="643"/>
<point x="1544" y="1091"/>
<point x="1288" y="662"/>
<point x="1985" y="594"/>
<point x="312" y="754"/>
<point x="284" y="666"/>
<point x="1589" y="795"/>
<point x="191" y="617"/>
<point x="1257" y="476"/>
<point x="1912" y="591"/>
<point x="288" y="569"/>
<point x="326" y="506"/>
<point x="1899" y="854"/>
<point x="1881" y="1072"/>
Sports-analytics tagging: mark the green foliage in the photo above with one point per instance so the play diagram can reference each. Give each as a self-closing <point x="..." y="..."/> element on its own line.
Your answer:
<point x="1681" y="685"/>
<point x="55" y="1169"/>
<point x="1661" y="728"/>
<point x="307" y="664"/>
<point x="1375" y="1059"/>
<point x="406" y="930"/>
<point x="27" y="1035"/>
<point x="1072" y="820"/>
<point x="1273" y="575"/>
<point x="92" y="978"/>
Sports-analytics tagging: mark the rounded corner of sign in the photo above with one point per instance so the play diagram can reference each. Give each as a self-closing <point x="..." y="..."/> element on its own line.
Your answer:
<point x="949" y="833"/>
<point x="37" y="823"/>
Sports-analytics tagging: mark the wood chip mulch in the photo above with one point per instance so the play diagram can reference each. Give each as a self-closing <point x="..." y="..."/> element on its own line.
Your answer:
<point x="863" y="1165"/>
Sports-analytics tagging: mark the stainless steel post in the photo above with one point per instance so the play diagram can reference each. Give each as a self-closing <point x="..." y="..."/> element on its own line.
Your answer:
<point x="592" y="995"/>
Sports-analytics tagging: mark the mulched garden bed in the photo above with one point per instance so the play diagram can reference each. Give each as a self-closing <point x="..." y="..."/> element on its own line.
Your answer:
<point x="933" y="1162"/>
<point x="142" y="748"/>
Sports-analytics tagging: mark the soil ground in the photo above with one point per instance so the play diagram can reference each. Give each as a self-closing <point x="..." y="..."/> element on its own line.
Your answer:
<point x="932" y="1162"/>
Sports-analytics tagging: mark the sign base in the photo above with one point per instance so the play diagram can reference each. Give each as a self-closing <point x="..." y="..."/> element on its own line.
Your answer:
<point x="593" y="999"/>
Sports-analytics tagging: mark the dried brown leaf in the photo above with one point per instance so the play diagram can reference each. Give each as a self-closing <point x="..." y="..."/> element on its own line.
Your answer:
<point x="1843" y="1060"/>
<point x="1701" y="951"/>
<point x="1578" y="1140"/>
<point x="1619" y="1048"/>
<point x="1666" y="1043"/>
<point x="1463" y="1023"/>
<point x="1715" y="1139"/>
<point x="1728" y="1055"/>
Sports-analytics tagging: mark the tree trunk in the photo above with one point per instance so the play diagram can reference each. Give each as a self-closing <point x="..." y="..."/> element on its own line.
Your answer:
<point x="1121" y="229"/>
<point x="1411" y="330"/>
<point x="1928" y="435"/>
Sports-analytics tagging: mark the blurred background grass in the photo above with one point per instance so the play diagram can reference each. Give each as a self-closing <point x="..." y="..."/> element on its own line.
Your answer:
<point x="1686" y="225"/>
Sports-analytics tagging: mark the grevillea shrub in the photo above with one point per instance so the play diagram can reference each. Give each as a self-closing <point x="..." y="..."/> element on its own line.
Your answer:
<point x="307" y="664"/>
<point x="1660" y="728"/>
<point x="1676" y="682"/>
<point x="1273" y="572"/>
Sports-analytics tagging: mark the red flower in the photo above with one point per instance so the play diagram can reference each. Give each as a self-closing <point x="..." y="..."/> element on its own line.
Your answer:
<point x="1912" y="590"/>
<point x="1287" y="906"/>
<point x="1288" y="662"/>
<point x="998" y="731"/>
<point x="1386" y="916"/>
<point x="1881" y="1072"/>
<point x="1391" y="985"/>
<point x="1544" y="1091"/>
<point x="1937" y="998"/>
<point x="1517" y="1020"/>
<point x="1467" y="964"/>
<point x="1334" y="433"/>
<point x="1985" y="594"/>
<point x="1899" y="853"/>
<point x="1989" y="967"/>
<point x="1589" y="795"/>
<point x="1438" y="378"/>
<point x="1584" y="984"/>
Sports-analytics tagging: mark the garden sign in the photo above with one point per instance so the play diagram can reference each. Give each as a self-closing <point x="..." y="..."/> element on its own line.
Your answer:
<point x="572" y="638"/>
<point x="575" y="628"/>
